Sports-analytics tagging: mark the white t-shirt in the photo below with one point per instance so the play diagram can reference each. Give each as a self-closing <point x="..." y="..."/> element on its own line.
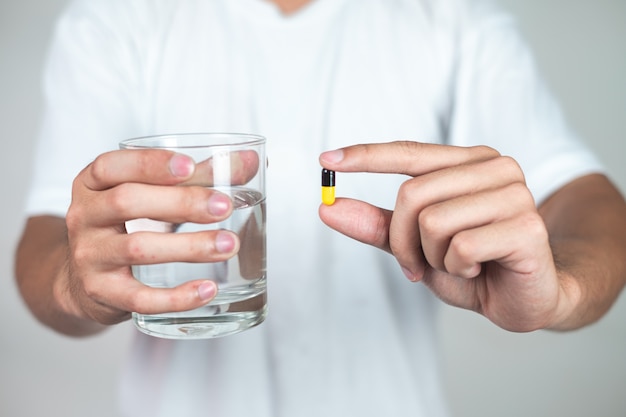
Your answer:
<point x="346" y="334"/>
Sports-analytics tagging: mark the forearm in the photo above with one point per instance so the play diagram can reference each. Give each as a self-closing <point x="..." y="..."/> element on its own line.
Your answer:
<point x="587" y="225"/>
<point x="41" y="272"/>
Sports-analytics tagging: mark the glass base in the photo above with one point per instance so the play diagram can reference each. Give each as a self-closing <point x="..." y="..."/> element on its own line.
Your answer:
<point x="195" y="327"/>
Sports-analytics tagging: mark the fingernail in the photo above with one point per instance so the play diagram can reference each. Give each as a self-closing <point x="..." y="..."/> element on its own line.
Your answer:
<point x="219" y="204"/>
<point x="410" y="275"/>
<point x="207" y="290"/>
<point x="332" y="156"/>
<point x="224" y="242"/>
<point x="181" y="165"/>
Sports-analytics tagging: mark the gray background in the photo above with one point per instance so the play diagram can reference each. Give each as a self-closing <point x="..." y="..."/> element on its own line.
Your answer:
<point x="581" y="48"/>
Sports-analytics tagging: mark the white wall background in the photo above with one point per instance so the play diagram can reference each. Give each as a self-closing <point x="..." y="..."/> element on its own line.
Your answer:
<point x="581" y="47"/>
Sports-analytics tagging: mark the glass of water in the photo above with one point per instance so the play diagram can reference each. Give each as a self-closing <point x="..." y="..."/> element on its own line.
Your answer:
<point x="233" y="164"/>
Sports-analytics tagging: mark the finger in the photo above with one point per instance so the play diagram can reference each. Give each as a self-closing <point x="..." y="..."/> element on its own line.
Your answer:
<point x="403" y="157"/>
<point x="147" y="248"/>
<point x="359" y="220"/>
<point x="513" y="243"/>
<point x="123" y="292"/>
<point x="147" y="166"/>
<point x="171" y="204"/>
<point x="440" y="222"/>
<point x="513" y="246"/>
<point x="417" y="194"/>
<point x="233" y="168"/>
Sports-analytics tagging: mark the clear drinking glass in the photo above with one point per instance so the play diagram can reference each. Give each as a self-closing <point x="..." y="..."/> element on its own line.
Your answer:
<point x="235" y="165"/>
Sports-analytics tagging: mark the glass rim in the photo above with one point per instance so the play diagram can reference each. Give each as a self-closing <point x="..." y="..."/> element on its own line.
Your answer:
<point x="144" y="142"/>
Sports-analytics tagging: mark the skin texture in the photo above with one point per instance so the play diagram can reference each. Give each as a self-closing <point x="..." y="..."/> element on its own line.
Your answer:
<point x="479" y="242"/>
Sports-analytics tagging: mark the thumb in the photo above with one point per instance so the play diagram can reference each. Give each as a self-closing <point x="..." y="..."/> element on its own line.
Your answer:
<point x="359" y="220"/>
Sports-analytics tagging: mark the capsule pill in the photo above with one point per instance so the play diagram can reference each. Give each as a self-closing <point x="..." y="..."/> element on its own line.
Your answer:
<point x="328" y="187"/>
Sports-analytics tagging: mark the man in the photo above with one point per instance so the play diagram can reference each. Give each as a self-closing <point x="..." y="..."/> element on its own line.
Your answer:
<point x="531" y="240"/>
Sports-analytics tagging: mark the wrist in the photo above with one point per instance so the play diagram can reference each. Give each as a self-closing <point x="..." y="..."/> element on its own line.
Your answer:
<point x="568" y="315"/>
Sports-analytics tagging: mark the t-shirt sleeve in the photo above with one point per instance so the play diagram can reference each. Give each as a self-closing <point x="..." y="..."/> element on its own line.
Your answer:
<point x="89" y="92"/>
<point x="500" y="100"/>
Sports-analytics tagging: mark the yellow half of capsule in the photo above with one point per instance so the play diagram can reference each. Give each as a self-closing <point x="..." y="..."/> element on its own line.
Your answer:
<point x="328" y="195"/>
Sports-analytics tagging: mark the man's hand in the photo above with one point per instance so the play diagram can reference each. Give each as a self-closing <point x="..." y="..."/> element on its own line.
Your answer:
<point x="76" y="278"/>
<point x="467" y="226"/>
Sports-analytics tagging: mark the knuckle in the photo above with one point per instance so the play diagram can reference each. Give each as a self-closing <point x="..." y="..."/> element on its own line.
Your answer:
<point x="375" y="231"/>
<point x="179" y="299"/>
<point x="99" y="169"/>
<point x="81" y="255"/>
<point x="119" y="198"/>
<point x="145" y="301"/>
<point x="195" y="197"/>
<point x="463" y="245"/>
<point x="91" y="290"/>
<point x="407" y="195"/>
<point x="133" y="249"/>
<point x="74" y="216"/>
<point x="511" y="167"/>
<point x="191" y="201"/>
<point x="78" y="183"/>
<point x="380" y="232"/>
<point x="519" y="192"/>
<point x="533" y="224"/>
<point x="407" y="146"/>
<point x="486" y="151"/>
<point x="136" y="302"/>
<point x="431" y="223"/>
<point x="200" y="246"/>
<point x="369" y="152"/>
